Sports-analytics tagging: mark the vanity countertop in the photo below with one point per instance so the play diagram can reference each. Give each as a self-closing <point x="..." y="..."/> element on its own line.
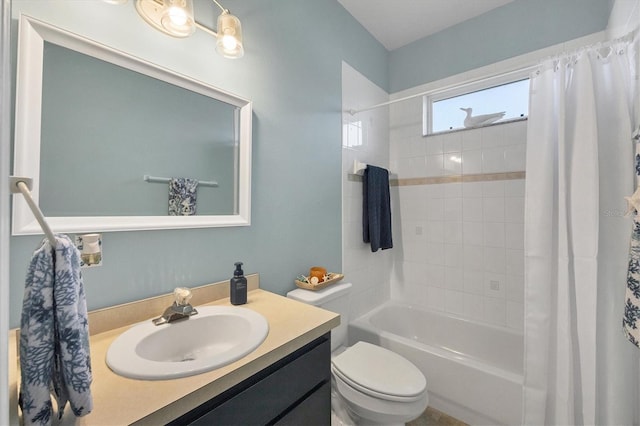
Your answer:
<point x="119" y="400"/>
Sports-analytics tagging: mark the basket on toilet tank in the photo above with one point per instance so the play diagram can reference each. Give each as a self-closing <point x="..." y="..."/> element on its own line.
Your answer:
<point x="331" y="278"/>
<point x="333" y="299"/>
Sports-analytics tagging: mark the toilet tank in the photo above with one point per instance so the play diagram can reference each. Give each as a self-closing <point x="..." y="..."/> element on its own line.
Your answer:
<point x="334" y="298"/>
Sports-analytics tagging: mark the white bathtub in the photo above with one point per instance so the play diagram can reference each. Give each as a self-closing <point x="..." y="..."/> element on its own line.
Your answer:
<point x="473" y="371"/>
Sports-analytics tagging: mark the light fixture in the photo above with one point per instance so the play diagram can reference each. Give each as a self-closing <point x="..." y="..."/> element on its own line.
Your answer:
<point x="176" y="18"/>
<point x="172" y="17"/>
<point x="229" y="38"/>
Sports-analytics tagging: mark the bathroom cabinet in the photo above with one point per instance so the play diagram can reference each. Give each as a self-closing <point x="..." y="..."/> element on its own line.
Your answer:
<point x="292" y="391"/>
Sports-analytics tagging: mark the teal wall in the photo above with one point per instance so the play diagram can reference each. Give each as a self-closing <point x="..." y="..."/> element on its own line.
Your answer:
<point x="511" y="30"/>
<point x="292" y="72"/>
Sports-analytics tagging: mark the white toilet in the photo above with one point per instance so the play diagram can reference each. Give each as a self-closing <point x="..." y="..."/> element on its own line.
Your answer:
<point x="370" y="384"/>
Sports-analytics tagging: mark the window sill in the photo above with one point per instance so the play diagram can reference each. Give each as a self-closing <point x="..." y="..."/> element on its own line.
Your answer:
<point x="463" y="129"/>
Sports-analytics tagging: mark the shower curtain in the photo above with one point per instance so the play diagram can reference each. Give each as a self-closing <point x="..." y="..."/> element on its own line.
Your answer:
<point x="579" y="368"/>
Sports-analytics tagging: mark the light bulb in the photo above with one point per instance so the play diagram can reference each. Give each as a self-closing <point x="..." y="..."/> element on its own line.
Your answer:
<point x="177" y="18"/>
<point x="229" y="42"/>
<point x="177" y="15"/>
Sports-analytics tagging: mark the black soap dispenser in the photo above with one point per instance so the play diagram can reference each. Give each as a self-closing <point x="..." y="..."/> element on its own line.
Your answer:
<point x="238" y="290"/>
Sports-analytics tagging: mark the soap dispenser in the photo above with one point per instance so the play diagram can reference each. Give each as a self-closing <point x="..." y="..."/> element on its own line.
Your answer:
<point x="238" y="290"/>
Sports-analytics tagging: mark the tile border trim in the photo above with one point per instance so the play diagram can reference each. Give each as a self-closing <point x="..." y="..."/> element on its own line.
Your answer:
<point x="479" y="177"/>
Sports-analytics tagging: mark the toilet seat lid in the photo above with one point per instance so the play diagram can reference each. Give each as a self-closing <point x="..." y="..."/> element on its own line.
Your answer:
<point x="380" y="371"/>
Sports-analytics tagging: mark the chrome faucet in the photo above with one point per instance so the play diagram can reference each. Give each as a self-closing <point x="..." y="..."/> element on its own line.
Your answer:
<point x="180" y="309"/>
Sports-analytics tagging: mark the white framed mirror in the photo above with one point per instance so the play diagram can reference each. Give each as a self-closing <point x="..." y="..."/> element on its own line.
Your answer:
<point x="93" y="123"/>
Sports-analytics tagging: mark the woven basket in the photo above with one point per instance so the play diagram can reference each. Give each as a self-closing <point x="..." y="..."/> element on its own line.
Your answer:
<point x="308" y="286"/>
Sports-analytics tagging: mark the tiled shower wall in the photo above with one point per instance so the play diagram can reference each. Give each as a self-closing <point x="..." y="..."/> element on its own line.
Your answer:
<point x="365" y="139"/>
<point x="458" y="211"/>
<point x="459" y="219"/>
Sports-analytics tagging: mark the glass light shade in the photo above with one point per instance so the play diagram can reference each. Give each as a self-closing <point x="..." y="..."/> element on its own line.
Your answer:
<point x="229" y="40"/>
<point x="177" y="18"/>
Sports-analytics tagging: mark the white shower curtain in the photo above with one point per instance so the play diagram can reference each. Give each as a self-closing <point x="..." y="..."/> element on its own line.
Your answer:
<point x="579" y="368"/>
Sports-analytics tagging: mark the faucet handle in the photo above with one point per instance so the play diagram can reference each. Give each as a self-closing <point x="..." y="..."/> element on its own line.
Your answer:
<point x="182" y="295"/>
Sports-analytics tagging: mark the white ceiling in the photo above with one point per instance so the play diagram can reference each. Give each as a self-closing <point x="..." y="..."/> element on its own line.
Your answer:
<point x="395" y="23"/>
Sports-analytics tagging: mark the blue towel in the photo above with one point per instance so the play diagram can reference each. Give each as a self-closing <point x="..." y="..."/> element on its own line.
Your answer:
<point x="54" y="335"/>
<point x="376" y="208"/>
<point x="182" y="196"/>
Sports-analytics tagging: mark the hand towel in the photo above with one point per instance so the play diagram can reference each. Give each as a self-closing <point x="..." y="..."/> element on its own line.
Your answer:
<point x="631" y="316"/>
<point x="376" y="208"/>
<point x="182" y="196"/>
<point x="54" y="335"/>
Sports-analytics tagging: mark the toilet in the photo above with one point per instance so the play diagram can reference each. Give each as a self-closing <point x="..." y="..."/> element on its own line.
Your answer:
<point x="370" y="385"/>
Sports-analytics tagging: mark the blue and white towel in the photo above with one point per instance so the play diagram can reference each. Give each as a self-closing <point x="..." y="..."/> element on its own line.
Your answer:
<point x="182" y="196"/>
<point x="631" y="318"/>
<point x="54" y="335"/>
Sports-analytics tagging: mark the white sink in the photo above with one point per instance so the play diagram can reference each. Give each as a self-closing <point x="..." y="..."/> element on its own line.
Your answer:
<point x="216" y="336"/>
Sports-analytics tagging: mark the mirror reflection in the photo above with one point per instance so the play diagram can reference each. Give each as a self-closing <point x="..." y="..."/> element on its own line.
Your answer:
<point x="118" y="125"/>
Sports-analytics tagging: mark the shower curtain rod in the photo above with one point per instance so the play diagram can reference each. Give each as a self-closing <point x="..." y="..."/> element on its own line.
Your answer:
<point x="520" y="71"/>
<point x="23" y="185"/>
<point x="355" y="111"/>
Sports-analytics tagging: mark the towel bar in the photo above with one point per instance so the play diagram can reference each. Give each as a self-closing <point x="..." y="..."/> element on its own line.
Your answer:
<point x="358" y="167"/>
<point x="23" y="185"/>
<point x="156" y="179"/>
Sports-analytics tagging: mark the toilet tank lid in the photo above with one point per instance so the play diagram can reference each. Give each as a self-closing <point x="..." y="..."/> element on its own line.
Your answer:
<point x="318" y="297"/>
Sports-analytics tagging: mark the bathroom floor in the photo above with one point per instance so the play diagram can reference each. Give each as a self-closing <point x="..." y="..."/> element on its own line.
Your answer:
<point x="433" y="417"/>
<point x="430" y="417"/>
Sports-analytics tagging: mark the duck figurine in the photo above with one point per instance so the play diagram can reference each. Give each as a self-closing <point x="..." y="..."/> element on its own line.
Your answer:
<point x="480" y="120"/>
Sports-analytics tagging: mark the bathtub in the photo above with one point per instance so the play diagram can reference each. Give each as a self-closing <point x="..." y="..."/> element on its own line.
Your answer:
<point x="473" y="371"/>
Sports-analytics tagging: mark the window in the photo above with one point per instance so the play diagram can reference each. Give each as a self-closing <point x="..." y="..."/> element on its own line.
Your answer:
<point x="352" y="136"/>
<point x="508" y="93"/>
